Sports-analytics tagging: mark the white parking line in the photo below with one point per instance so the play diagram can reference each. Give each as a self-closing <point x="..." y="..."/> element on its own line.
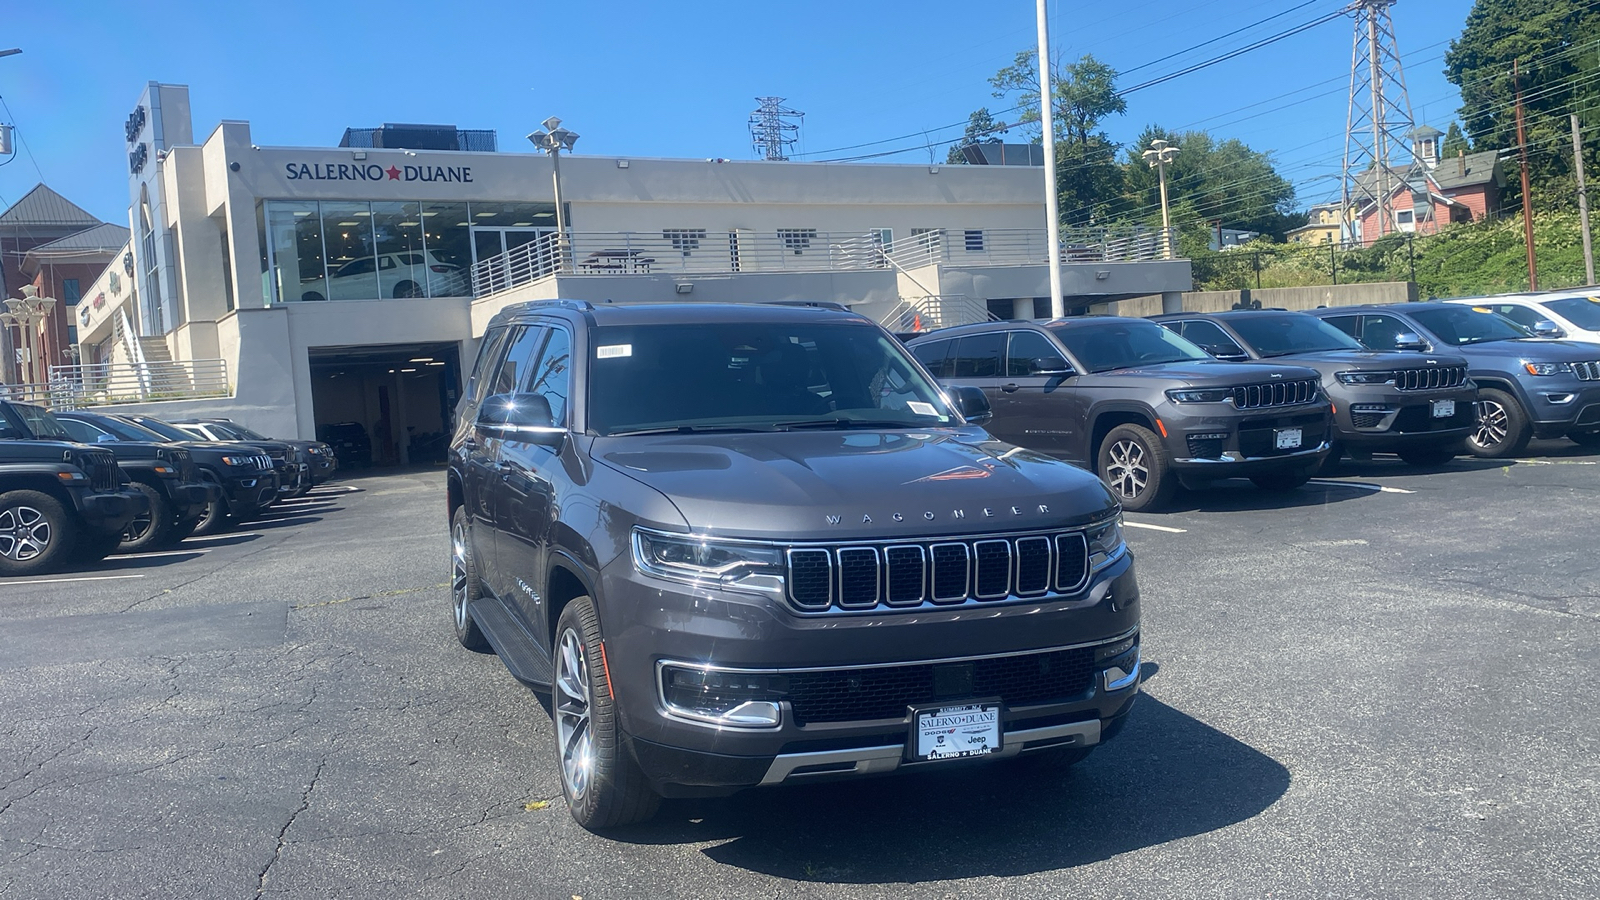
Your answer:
<point x="1168" y="529"/>
<point x="204" y="538"/>
<point x="66" y="580"/>
<point x="338" y="489"/>
<point x="156" y="553"/>
<point x="1362" y="485"/>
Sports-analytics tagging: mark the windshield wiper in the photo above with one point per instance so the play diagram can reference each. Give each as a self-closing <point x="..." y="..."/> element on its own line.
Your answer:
<point x="847" y="423"/>
<point x="691" y="429"/>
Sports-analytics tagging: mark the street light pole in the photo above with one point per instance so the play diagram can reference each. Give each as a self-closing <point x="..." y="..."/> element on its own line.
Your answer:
<point x="1159" y="154"/>
<point x="1052" y="225"/>
<point x="27" y="314"/>
<point x="552" y="140"/>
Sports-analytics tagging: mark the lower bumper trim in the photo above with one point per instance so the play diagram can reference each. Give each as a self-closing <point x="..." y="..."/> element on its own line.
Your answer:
<point x="877" y="760"/>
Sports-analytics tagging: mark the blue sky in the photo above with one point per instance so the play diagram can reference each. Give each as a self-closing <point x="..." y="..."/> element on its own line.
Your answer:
<point x="668" y="79"/>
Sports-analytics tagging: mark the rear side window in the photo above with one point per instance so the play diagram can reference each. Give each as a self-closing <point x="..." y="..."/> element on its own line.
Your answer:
<point x="1025" y="347"/>
<point x="1379" y="332"/>
<point x="978" y="355"/>
<point x="521" y="351"/>
<point x="81" y="431"/>
<point x="551" y="378"/>
<point x="934" y="355"/>
<point x="1346" y="324"/>
<point x="1210" y="337"/>
<point x="1521" y="315"/>
<point x="487" y="351"/>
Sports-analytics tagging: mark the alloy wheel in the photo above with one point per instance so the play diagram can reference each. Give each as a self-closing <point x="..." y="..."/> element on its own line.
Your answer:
<point x="573" y="733"/>
<point x="1129" y="470"/>
<point x="459" y="562"/>
<point x="1493" y="425"/>
<point x="138" y="528"/>
<point x="24" y="533"/>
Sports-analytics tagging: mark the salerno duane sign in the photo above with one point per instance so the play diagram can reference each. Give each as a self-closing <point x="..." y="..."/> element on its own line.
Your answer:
<point x="375" y="172"/>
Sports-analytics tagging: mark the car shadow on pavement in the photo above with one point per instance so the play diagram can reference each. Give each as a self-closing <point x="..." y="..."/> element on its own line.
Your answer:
<point x="1167" y="776"/>
<point x="167" y="558"/>
<point x="208" y="541"/>
<point x="1238" y="495"/>
<point x="281" y="521"/>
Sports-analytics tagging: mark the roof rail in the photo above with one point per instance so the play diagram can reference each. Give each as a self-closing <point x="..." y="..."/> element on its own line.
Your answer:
<point x="582" y="305"/>
<point x="819" y="304"/>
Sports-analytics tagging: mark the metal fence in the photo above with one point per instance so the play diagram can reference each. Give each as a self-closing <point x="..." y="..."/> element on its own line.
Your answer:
<point x="1029" y="246"/>
<point x="101" y="384"/>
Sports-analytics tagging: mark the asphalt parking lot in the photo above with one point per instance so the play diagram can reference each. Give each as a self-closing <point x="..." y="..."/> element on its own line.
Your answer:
<point x="1382" y="684"/>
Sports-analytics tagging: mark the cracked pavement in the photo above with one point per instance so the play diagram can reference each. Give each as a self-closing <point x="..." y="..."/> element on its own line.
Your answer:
<point x="1354" y="694"/>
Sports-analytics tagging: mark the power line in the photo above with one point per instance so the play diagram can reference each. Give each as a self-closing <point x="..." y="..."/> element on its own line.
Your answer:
<point x="17" y="130"/>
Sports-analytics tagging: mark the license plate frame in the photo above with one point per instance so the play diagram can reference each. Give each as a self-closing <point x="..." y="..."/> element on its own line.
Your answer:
<point x="1443" y="409"/>
<point x="1288" y="438"/>
<point x="984" y="736"/>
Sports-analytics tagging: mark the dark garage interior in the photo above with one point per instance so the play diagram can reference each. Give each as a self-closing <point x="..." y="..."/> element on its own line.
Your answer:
<point x="388" y="404"/>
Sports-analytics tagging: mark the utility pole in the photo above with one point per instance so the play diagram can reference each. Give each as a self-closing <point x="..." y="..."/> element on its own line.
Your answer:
<point x="1052" y="225"/>
<point x="1527" y="201"/>
<point x="1159" y="154"/>
<point x="1583" y="202"/>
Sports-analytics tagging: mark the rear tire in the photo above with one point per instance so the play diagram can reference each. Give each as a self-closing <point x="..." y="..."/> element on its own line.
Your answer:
<point x="464" y="584"/>
<point x="1281" y="480"/>
<point x="37" y="534"/>
<point x="603" y="784"/>
<point x="1503" y="430"/>
<point x="1134" y="464"/>
<point x="152" y="529"/>
<point x="215" y="519"/>
<point x="1429" y="454"/>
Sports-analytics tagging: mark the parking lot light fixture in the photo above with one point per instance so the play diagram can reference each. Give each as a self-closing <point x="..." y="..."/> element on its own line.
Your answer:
<point x="1159" y="154"/>
<point x="553" y="139"/>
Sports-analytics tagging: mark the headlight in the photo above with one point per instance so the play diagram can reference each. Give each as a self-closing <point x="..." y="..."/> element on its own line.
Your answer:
<point x="1538" y="368"/>
<point x="239" y="461"/>
<point x="1365" y="377"/>
<point x="1200" y="395"/>
<point x="747" y="699"/>
<point x="692" y="560"/>
<point x="1105" y="542"/>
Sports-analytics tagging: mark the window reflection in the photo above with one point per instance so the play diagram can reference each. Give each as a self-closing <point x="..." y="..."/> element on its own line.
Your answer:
<point x="447" y="234"/>
<point x="352" y="264"/>
<point x="296" y="230"/>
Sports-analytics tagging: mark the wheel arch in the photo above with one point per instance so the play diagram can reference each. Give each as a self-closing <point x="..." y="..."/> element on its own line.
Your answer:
<point x="1106" y="419"/>
<point x="44" y="484"/>
<point x="566" y="581"/>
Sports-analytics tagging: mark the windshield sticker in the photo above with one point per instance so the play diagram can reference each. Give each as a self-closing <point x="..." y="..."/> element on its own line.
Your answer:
<point x="613" y="351"/>
<point x="1482" y="309"/>
<point x="1594" y="299"/>
<point x="920" y="408"/>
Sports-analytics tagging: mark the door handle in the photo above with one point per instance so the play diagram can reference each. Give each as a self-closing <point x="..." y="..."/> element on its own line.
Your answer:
<point x="1009" y="388"/>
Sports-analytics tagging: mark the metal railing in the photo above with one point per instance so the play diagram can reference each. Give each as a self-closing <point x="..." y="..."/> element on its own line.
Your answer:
<point x="1029" y="246"/>
<point x="101" y="384"/>
<point x="919" y="314"/>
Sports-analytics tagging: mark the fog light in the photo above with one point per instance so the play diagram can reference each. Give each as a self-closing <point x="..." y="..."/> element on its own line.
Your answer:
<point x="1368" y="408"/>
<point x="741" y="699"/>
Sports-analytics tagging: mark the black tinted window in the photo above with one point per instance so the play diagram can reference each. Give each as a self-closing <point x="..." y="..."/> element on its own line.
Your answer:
<point x="1521" y="315"/>
<point x="81" y="432"/>
<point x="935" y="355"/>
<point x="519" y="356"/>
<point x="42" y="422"/>
<point x="1378" y="332"/>
<point x="978" y="355"/>
<point x="1210" y="337"/>
<point x="1024" y="349"/>
<point x="1346" y="324"/>
<point x="1279" y="335"/>
<point x="355" y="267"/>
<point x="552" y="377"/>
<point x="1469" y="325"/>
<point x="1583" y="312"/>
<point x="1125" y="343"/>
<point x="487" y="350"/>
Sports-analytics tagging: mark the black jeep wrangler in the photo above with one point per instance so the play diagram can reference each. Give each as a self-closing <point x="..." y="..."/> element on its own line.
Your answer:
<point x="59" y="502"/>
<point x="754" y="545"/>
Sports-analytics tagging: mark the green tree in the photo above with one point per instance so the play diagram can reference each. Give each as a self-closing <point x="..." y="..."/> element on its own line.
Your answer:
<point x="1455" y="142"/>
<point x="1554" y="43"/>
<point x="1210" y="181"/>
<point x="981" y="129"/>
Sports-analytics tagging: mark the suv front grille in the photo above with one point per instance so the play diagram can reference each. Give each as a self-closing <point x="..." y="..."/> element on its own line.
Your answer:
<point x="1587" y="371"/>
<point x="1431" y="378"/>
<point x="101" y="467"/>
<point x="1274" y="393"/>
<point x="942" y="572"/>
<point x="884" y="692"/>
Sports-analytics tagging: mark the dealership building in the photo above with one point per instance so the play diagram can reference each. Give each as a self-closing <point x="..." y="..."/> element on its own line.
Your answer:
<point x="296" y="287"/>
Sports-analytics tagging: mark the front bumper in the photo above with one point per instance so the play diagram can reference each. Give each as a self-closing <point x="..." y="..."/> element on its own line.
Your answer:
<point x="1563" y="405"/>
<point x="1244" y="442"/>
<point x="190" y="498"/>
<point x="649" y="622"/>
<point x="110" y="511"/>
<point x="1379" y="419"/>
<point x="248" y="494"/>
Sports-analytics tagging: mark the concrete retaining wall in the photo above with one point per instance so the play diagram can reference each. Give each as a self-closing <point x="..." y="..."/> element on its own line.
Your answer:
<point x="1296" y="298"/>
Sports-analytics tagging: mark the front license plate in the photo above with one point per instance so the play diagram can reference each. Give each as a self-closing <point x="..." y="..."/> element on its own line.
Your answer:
<point x="1288" y="438"/>
<point x="952" y="732"/>
<point x="1444" y="409"/>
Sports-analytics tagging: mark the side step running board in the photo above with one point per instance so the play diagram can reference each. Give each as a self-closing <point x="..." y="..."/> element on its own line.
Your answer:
<point x="517" y="648"/>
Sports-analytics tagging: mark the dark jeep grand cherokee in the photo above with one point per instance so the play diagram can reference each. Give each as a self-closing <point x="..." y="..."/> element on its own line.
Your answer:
<point x="1138" y="404"/>
<point x="756" y="545"/>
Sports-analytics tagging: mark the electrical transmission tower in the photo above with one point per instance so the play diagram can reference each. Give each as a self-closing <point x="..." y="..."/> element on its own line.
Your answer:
<point x="771" y="132"/>
<point x="1378" y="128"/>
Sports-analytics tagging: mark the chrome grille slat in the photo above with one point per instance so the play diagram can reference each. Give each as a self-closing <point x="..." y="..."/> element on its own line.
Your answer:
<point x="1431" y="378"/>
<point x="810" y="579"/>
<point x="906" y="582"/>
<point x="1587" y="371"/>
<point x="992" y="580"/>
<point x="1034" y="556"/>
<point x="1274" y="393"/>
<point x="858" y="577"/>
<point x="1072" y="562"/>
<point x="948" y="560"/>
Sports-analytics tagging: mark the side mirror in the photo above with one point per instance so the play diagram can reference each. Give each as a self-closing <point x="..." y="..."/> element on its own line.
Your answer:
<point x="1226" y="354"/>
<point x="1051" y="365"/>
<point x="1407" y="340"/>
<point x="1547" y="329"/>
<point x="520" y="417"/>
<point x="971" y="402"/>
<point x="106" y="439"/>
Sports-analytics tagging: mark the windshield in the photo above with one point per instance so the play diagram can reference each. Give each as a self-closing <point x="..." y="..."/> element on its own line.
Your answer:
<point x="167" y="432"/>
<point x="1461" y="325"/>
<point x="42" y="422"/>
<point x="1124" y="344"/>
<point x="226" y="431"/>
<point x="1290" y="333"/>
<point x="755" y="376"/>
<point x="1583" y="312"/>
<point x="129" y="431"/>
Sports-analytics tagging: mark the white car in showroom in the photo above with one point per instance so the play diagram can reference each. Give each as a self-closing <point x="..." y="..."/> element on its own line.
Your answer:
<point x="1575" y="315"/>
<point x="405" y="273"/>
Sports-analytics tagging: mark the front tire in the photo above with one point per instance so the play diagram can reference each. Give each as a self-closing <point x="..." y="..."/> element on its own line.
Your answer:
<point x="149" y="529"/>
<point x="215" y="519"/>
<point x="1503" y="430"/>
<point x="464" y="584"/>
<point x="1281" y="480"/>
<point x="1135" y="466"/>
<point x="37" y="534"/>
<point x="603" y="785"/>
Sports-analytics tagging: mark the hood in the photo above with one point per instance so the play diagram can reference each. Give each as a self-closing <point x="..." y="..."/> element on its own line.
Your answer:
<point x="1532" y="349"/>
<point x="50" y="451"/>
<point x="1208" y="373"/>
<point x="209" y="445"/>
<point x="1366" y="360"/>
<point x="854" y="485"/>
